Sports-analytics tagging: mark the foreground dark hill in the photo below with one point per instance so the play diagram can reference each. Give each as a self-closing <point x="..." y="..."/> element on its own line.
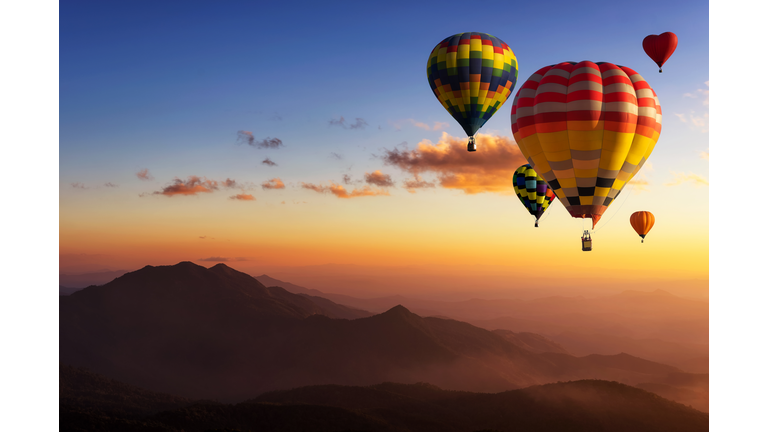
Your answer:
<point x="219" y="333"/>
<point x="88" y="402"/>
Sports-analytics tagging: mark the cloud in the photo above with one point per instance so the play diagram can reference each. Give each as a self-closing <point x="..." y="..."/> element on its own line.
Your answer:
<point x="192" y="186"/>
<point x="110" y="185"/>
<point x="347" y="179"/>
<point x="680" y="178"/>
<point x="358" y="124"/>
<point x="78" y="185"/>
<point x="223" y="259"/>
<point x="269" y="162"/>
<point x="337" y="156"/>
<point x="229" y="183"/>
<point x="243" y="197"/>
<point x="247" y="138"/>
<point x="144" y="175"/>
<point x="490" y="169"/>
<point x="417" y="183"/>
<point x="704" y="155"/>
<point x="276" y="116"/>
<point x="421" y="125"/>
<point x="703" y="92"/>
<point x="341" y="192"/>
<point x="379" y="179"/>
<point x="695" y="122"/>
<point x="274" y="183"/>
<point x="639" y="185"/>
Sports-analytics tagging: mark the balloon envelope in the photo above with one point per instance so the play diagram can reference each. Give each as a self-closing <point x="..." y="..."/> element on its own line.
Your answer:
<point x="642" y="222"/>
<point x="532" y="190"/>
<point x="472" y="75"/>
<point x="587" y="129"/>
<point x="660" y="47"/>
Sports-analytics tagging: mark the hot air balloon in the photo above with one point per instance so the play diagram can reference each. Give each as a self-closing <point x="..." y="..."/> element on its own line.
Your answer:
<point x="642" y="222"/>
<point x="587" y="129"/>
<point x="533" y="191"/>
<point x="660" y="47"/>
<point x="472" y="75"/>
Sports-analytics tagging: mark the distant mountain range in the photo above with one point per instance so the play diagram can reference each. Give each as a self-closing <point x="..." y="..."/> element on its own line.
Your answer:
<point x="221" y="334"/>
<point x="89" y="401"/>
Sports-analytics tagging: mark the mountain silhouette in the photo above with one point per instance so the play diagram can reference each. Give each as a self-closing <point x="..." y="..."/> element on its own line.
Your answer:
<point x="217" y="333"/>
<point x="88" y="401"/>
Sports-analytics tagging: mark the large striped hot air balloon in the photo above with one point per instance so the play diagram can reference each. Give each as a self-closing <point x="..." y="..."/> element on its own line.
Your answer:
<point x="472" y="75"/>
<point x="642" y="222"/>
<point x="587" y="129"/>
<point x="532" y="191"/>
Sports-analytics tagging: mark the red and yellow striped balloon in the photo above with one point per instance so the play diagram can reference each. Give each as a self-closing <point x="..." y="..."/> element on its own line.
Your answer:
<point x="587" y="129"/>
<point x="642" y="222"/>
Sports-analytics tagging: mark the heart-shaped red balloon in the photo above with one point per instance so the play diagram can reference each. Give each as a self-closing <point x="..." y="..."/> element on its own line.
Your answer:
<point x="660" y="47"/>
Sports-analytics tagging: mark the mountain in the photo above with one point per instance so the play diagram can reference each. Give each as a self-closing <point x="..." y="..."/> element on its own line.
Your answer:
<point x="220" y="334"/>
<point x="87" y="279"/>
<point x="532" y="342"/>
<point x="88" y="401"/>
<point x="64" y="291"/>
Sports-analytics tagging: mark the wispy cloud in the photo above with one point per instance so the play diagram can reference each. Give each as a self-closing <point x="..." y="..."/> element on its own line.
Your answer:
<point x="346" y="179"/>
<point x="78" y="185"/>
<point x="436" y="126"/>
<point x="702" y="92"/>
<point x="490" y="169"/>
<point x="681" y="178"/>
<point x="358" y="124"/>
<point x="144" y="175"/>
<point x="337" y="156"/>
<point x="110" y="185"/>
<point x="694" y="121"/>
<point x="639" y="185"/>
<point x="230" y="183"/>
<point x="192" y="186"/>
<point x="704" y="155"/>
<point x="269" y="162"/>
<point x="380" y="179"/>
<point x="243" y="197"/>
<point x="223" y="259"/>
<point x="274" y="183"/>
<point x="247" y="138"/>
<point x="417" y="183"/>
<point x="341" y="192"/>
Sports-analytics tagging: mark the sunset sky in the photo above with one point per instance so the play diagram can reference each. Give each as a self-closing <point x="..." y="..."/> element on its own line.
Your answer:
<point x="107" y="104"/>
<point x="268" y="136"/>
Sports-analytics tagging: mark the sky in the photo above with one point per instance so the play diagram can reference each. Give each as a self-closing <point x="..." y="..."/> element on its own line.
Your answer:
<point x="266" y="135"/>
<point x="95" y="96"/>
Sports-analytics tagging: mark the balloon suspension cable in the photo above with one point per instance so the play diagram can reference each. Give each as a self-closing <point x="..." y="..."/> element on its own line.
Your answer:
<point x="617" y="210"/>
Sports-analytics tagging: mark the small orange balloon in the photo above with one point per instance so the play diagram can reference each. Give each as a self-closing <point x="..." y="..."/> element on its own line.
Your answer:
<point x="642" y="222"/>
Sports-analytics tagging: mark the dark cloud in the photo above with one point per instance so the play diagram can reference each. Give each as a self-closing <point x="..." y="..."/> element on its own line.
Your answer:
<point x="247" y="138"/>
<point x="337" y="156"/>
<point x="269" y="162"/>
<point x="490" y="169"/>
<point x="358" y="124"/>
<point x="229" y="183"/>
<point x="144" y="175"/>
<point x="379" y="179"/>
<point x="274" y="183"/>
<point x="347" y="179"/>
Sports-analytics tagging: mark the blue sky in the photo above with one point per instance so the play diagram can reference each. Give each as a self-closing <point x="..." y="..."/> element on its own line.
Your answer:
<point x="167" y="85"/>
